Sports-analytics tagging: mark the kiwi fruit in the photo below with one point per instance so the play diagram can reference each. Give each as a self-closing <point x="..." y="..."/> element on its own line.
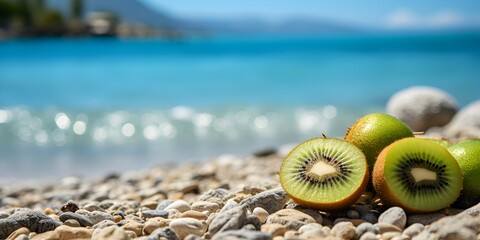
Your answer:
<point x="324" y="173"/>
<point x="467" y="154"/>
<point x="373" y="132"/>
<point x="418" y="175"/>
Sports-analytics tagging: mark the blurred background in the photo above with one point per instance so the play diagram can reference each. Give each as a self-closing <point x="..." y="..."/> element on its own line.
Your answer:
<point x="89" y="87"/>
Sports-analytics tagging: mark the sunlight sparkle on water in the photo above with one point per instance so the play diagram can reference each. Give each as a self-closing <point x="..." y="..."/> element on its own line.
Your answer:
<point x="128" y="129"/>
<point x="79" y="127"/>
<point x="62" y="120"/>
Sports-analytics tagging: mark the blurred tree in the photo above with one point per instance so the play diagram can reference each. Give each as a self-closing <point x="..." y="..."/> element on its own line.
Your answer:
<point x="49" y="22"/>
<point x="76" y="9"/>
<point x="6" y="12"/>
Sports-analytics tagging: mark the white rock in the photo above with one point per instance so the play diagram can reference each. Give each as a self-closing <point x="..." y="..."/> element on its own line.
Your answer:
<point x="422" y="107"/>
<point x="186" y="226"/>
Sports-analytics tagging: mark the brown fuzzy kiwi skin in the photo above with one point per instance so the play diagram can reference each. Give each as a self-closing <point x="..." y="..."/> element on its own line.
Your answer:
<point x="336" y="206"/>
<point x="381" y="187"/>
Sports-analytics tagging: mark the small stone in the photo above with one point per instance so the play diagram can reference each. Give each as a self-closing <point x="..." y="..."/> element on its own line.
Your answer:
<point x="18" y="232"/>
<point x="153" y="213"/>
<point x="194" y="214"/>
<point x="291" y="234"/>
<point x="150" y="226"/>
<point x="117" y="218"/>
<point x="424" y="218"/>
<point x="422" y="107"/>
<point x="205" y="206"/>
<point x="72" y="223"/>
<point x="92" y="207"/>
<point x="133" y="226"/>
<point x="395" y="216"/>
<point x="353" y="214"/>
<point x="312" y="213"/>
<point x="21" y="237"/>
<point x="229" y="220"/>
<point x="254" y="221"/>
<point x="314" y="234"/>
<point x="242" y="235"/>
<point x="165" y="232"/>
<point x="50" y="235"/>
<point x="261" y="213"/>
<point x="274" y="229"/>
<point x="355" y="222"/>
<point x="214" y="194"/>
<point x="370" y="217"/>
<point x="309" y="226"/>
<point x="5" y="215"/>
<point x="165" y="203"/>
<point x="66" y="232"/>
<point x="98" y="216"/>
<point x="79" y="218"/>
<point x="186" y="226"/>
<point x="35" y="221"/>
<point x="366" y="227"/>
<point x="390" y="235"/>
<point x="387" y="227"/>
<point x="401" y="237"/>
<point x="110" y="233"/>
<point x="49" y="211"/>
<point x="104" y="224"/>
<point x="271" y="200"/>
<point x="368" y="236"/>
<point x="180" y="205"/>
<point x="291" y="218"/>
<point x="229" y="205"/>
<point x="192" y="237"/>
<point x="149" y="204"/>
<point x="413" y="229"/>
<point x="344" y="230"/>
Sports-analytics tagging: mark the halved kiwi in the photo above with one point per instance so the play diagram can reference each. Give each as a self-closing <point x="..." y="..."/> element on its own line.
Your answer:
<point x="418" y="175"/>
<point x="324" y="173"/>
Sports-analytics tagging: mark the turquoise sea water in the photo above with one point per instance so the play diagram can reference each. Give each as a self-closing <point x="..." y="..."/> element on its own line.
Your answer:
<point x="91" y="106"/>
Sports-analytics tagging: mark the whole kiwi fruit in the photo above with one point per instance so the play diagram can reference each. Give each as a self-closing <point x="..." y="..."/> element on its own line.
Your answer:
<point x="418" y="175"/>
<point x="324" y="173"/>
<point x="467" y="154"/>
<point x="373" y="132"/>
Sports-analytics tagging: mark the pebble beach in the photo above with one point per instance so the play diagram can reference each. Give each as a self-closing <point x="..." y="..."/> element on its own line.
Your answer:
<point x="228" y="197"/>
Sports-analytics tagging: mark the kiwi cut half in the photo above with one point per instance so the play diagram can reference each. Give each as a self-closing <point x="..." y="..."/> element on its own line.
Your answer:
<point x="418" y="175"/>
<point x="324" y="173"/>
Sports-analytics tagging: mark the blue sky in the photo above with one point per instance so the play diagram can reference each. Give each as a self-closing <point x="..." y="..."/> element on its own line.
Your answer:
<point x="383" y="14"/>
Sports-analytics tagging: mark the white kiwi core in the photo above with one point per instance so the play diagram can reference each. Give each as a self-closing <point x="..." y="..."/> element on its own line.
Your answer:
<point x="322" y="169"/>
<point x="422" y="174"/>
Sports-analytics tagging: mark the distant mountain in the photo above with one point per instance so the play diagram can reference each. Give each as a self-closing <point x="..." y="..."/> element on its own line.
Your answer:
<point x="134" y="11"/>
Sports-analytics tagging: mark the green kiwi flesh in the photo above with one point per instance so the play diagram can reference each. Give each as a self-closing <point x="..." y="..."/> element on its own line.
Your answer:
<point x="417" y="174"/>
<point x="324" y="173"/>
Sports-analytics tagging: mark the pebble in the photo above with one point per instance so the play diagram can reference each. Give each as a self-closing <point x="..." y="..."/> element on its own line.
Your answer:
<point x="413" y="229"/>
<point x="35" y="221"/>
<point x="274" y="229"/>
<point x="22" y="237"/>
<point x="242" y="235"/>
<point x="186" y="226"/>
<point x="4" y="215"/>
<point x="271" y="200"/>
<point x="390" y="235"/>
<point x="134" y="226"/>
<point x="290" y="218"/>
<point x="353" y="214"/>
<point x="18" y="232"/>
<point x="51" y="235"/>
<point x="214" y="194"/>
<point x="165" y="232"/>
<point x="180" y="205"/>
<point x="395" y="216"/>
<point x="92" y="207"/>
<point x="387" y="227"/>
<point x="163" y="204"/>
<point x="79" y="218"/>
<point x="368" y="236"/>
<point x="309" y="226"/>
<point x="98" y="216"/>
<point x="229" y="220"/>
<point x="344" y="230"/>
<point x="229" y="205"/>
<point x="65" y="232"/>
<point x="205" y="206"/>
<point x="153" y="224"/>
<point x="366" y="227"/>
<point x="194" y="214"/>
<point x="422" y="107"/>
<point x="154" y="213"/>
<point x="72" y="223"/>
<point x="424" y="218"/>
<point x="261" y="213"/>
<point x="110" y="233"/>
